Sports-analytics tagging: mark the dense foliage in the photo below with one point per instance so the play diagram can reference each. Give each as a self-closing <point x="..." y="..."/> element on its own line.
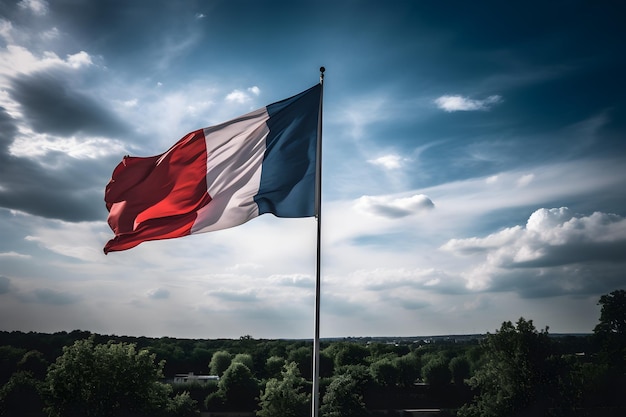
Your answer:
<point x="285" y="396"/>
<point x="109" y="379"/>
<point x="516" y="371"/>
<point x="516" y="374"/>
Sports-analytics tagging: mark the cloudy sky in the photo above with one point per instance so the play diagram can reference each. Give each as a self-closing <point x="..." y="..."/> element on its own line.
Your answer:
<point x="474" y="164"/>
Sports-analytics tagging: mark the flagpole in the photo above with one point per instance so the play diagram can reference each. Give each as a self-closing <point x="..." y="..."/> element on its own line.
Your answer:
<point x="315" y="399"/>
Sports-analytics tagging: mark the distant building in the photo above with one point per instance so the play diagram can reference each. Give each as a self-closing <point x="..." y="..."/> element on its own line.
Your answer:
<point x="191" y="377"/>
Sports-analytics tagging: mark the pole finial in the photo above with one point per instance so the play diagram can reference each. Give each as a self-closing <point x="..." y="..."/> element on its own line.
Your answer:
<point x="322" y="69"/>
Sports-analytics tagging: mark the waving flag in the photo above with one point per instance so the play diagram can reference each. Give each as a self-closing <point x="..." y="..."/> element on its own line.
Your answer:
<point x="220" y="177"/>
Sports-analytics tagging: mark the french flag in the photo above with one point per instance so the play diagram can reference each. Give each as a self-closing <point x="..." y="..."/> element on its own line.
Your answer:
<point x="220" y="176"/>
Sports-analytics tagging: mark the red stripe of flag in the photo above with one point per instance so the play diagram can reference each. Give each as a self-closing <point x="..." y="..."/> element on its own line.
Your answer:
<point x="157" y="197"/>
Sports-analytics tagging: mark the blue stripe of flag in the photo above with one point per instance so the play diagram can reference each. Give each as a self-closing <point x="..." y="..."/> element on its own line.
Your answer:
<point x="287" y="187"/>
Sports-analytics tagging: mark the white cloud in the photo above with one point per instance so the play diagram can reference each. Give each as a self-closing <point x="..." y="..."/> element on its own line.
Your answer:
<point x="545" y="231"/>
<point x="545" y="252"/>
<point x="130" y="103"/>
<point x="13" y="254"/>
<point x="389" y="162"/>
<point x="6" y="30"/>
<point x="561" y="227"/>
<point x="237" y="96"/>
<point x="242" y="97"/>
<point x="233" y="295"/>
<point x="83" y="241"/>
<point x="544" y="219"/>
<point x="381" y="279"/>
<point x="492" y="241"/>
<point x="525" y="180"/>
<point x="393" y="207"/>
<point x="240" y="268"/>
<point x="17" y="59"/>
<point x="478" y="195"/>
<point x="460" y="103"/>
<point x="38" y="7"/>
<point x="50" y="34"/>
<point x="35" y="145"/>
<point x="199" y="108"/>
<point x="79" y="60"/>
<point x="166" y="115"/>
<point x="293" y="280"/>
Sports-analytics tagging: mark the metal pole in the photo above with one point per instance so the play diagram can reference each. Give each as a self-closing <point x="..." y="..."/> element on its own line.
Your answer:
<point x="315" y="399"/>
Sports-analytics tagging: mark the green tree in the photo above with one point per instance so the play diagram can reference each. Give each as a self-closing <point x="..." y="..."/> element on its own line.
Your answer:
<point x="344" y="397"/>
<point x="409" y="369"/>
<point x="200" y="355"/>
<point x="285" y="397"/>
<point x="436" y="373"/>
<point x="612" y="313"/>
<point x="9" y="357"/>
<point x="326" y="365"/>
<point x="611" y="330"/>
<point x="460" y="369"/>
<point x="274" y="366"/>
<point x="21" y="395"/>
<point x="244" y="358"/>
<point x="33" y="361"/>
<point x="237" y="390"/>
<point x="181" y="405"/>
<point x="107" y="380"/>
<point x="220" y="361"/>
<point x="610" y="334"/>
<point x="384" y="372"/>
<point x="515" y="375"/>
<point x="303" y="356"/>
<point x="350" y="354"/>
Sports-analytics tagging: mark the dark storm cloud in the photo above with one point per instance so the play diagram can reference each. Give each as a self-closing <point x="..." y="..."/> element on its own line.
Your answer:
<point x="578" y="268"/>
<point x="578" y="280"/>
<point x="577" y="252"/>
<point x="56" y="185"/>
<point x="52" y="105"/>
<point x="557" y="253"/>
<point x="58" y="194"/>
<point x="73" y="192"/>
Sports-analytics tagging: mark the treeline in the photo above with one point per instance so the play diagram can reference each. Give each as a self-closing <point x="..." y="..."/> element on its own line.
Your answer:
<point x="516" y="371"/>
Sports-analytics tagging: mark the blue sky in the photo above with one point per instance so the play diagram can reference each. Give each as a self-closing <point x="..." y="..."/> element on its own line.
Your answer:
<point x="474" y="164"/>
